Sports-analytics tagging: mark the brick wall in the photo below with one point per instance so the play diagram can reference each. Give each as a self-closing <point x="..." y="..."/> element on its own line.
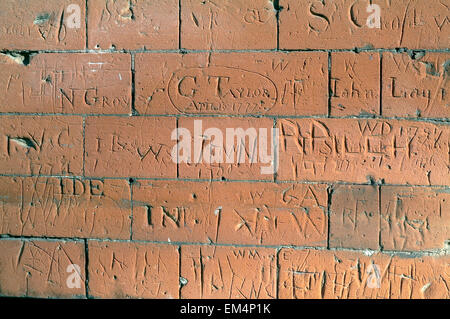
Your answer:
<point x="92" y="94"/>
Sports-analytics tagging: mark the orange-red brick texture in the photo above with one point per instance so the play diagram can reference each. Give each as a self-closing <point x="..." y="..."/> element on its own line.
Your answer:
<point x="359" y="206"/>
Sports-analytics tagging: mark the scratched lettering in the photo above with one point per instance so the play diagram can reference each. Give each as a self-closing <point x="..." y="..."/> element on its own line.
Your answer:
<point x="142" y="145"/>
<point x="41" y="25"/>
<point x="41" y="145"/>
<point x="342" y="25"/>
<point x="37" y="268"/>
<point x="266" y="214"/>
<point x="67" y="83"/>
<point x="293" y="83"/>
<point x="414" y="218"/>
<point x="354" y="217"/>
<point x="343" y="274"/>
<point x="221" y="90"/>
<point x="204" y="22"/>
<point x="64" y="207"/>
<point x="142" y="274"/>
<point x="416" y="87"/>
<point x="355" y="83"/>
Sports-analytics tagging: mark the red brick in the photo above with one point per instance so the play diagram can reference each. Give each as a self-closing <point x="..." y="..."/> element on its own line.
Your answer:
<point x="153" y="74"/>
<point x="354" y="217"/>
<point x="344" y="274"/>
<point x="38" y="268"/>
<point x="300" y="79"/>
<point x="228" y="272"/>
<point x="355" y="83"/>
<point x="415" y="218"/>
<point x="41" y="25"/>
<point x="64" y="207"/>
<point x="198" y="167"/>
<point x="361" y="150"/>
<point x="133" y="270"/>
<point x="135" y="24"/>
<point x="231" y="213"/>
<point x="67" y="83"/>
<point x="41" y="145"/>
<point x="416" y="87"/>
<point x="129" y="146"/>
<point x="228" y="24"/>
<point x="309" y="24"/>
<point x="294" y="83"/>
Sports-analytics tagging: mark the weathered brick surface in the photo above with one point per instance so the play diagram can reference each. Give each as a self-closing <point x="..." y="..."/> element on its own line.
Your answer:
<point x="355" y="83"/>
<point x="41" y="145"/>
<point x="236" y="83"/>
<point x="65" y="207"/>
<point x="228" y="24"/>
<point x="67" y="83"/>
<point x="416" y="87"/>
<point x="414" y="218"/>
<point x="345" y="274"/>
<point x="362" y="150"/>
<point x="132" y="270"/>
<point x="228" y="272"/>
<point x="41" y="25"/>
<point x="113" y="150"/>
<point x="308" y="24"/>
<point x="135" y="24"/>
<point x="237" y="213"/>
<point x="38" y="268"/>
